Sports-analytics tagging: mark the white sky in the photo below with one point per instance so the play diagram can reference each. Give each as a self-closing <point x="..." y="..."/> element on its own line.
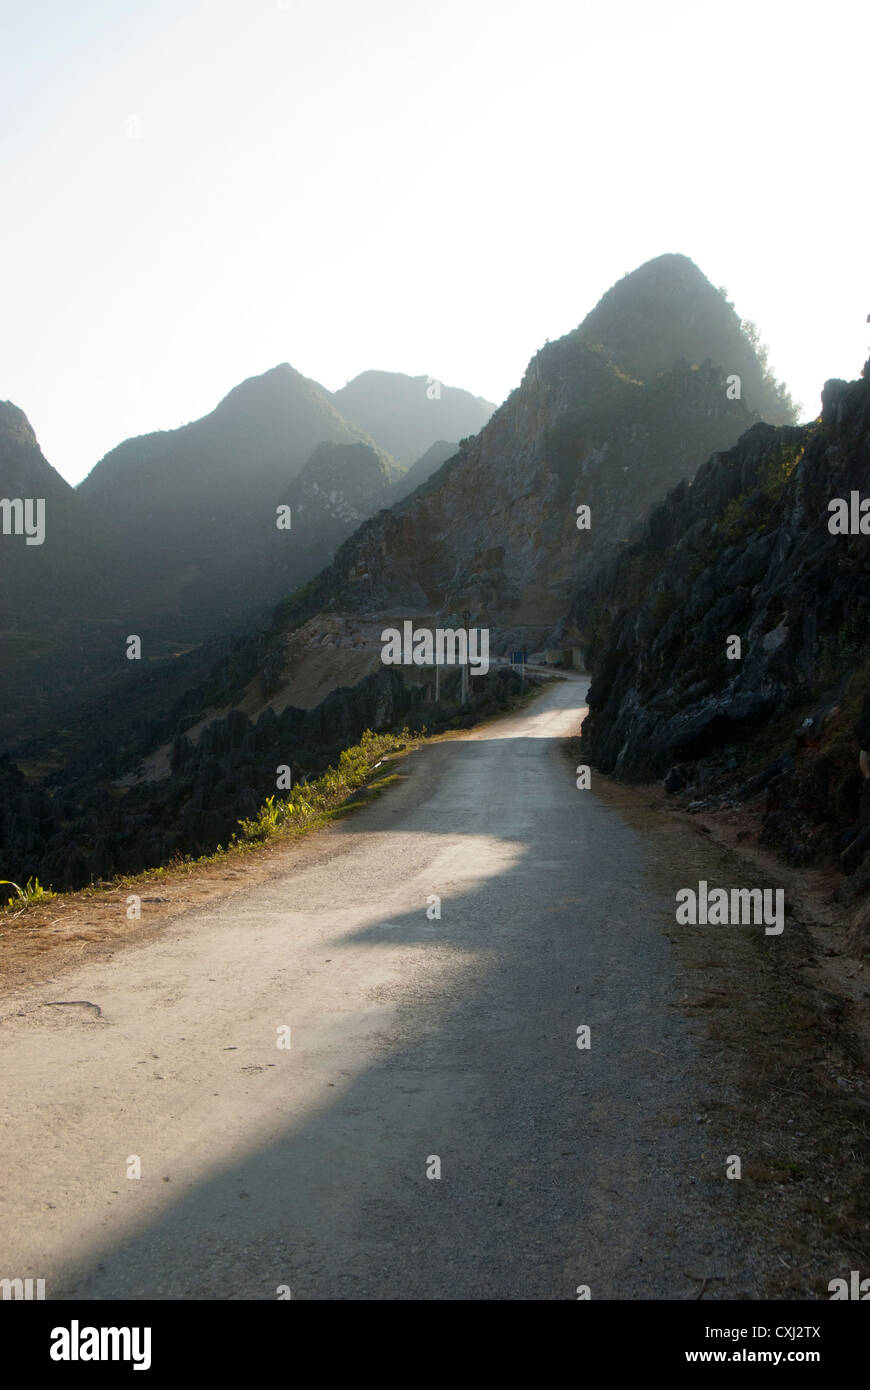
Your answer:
<point x="414" y="185"/>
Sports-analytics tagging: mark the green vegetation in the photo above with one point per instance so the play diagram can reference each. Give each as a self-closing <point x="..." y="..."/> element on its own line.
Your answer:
<point x="311" y="805"/>
<point x="32" y="892"/>
<point x="313" y="802"/>
<point x="292" y="611"/>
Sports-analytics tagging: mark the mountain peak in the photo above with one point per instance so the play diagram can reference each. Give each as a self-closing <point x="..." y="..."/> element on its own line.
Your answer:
<point x="14" y="424"/>
<point x="406" y="413"/>
<point x="667" y="311"/>
<point x="277" y="384"/>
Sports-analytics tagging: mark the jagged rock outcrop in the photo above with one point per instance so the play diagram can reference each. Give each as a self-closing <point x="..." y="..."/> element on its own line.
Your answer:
<point x="746" y="552"/>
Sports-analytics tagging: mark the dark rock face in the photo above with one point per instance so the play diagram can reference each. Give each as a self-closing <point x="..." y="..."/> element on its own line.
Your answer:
<point x="674" y="781"/>
<point x="746" y="552"/>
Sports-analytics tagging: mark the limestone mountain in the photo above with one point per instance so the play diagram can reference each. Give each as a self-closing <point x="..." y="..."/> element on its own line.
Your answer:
<point x="666" y="311"/>
<point x="197" y="505"/>
<point x="495" y="530"/>
<point x="173" y="535"/>
<point x="406" y="414"/>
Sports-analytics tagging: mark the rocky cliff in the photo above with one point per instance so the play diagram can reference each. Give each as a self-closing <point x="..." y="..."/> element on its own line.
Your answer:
<point x="420" y="472"/>
<point x="730" y="641"/>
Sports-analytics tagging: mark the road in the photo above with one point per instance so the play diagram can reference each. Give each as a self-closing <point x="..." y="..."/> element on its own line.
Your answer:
<point x="312" y="1168"/>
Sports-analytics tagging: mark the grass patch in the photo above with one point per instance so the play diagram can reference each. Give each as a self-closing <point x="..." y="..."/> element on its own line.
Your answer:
<point x="32" y="892"/>
<point x="339" y="791"/>
<point x="313" y="802"/>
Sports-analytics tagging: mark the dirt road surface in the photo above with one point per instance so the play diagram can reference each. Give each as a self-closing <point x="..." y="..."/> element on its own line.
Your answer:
<point x="419" y="1045"/>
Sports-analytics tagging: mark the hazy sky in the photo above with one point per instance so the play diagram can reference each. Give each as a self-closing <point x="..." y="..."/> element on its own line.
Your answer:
<point x="196" y="190"/>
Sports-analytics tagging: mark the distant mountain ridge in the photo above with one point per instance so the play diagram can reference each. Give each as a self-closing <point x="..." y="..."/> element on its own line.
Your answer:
<point x="406" y="415"/>
<point x="33" y="577"/>
<point x="54" y="596"/>
<point x="198" y="504"/>
<point x="173" y="535"/>
<point x="262" y="430"/>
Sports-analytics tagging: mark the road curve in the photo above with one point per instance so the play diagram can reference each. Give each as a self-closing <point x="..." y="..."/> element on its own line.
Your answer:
<point x="419" y="1045"/>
